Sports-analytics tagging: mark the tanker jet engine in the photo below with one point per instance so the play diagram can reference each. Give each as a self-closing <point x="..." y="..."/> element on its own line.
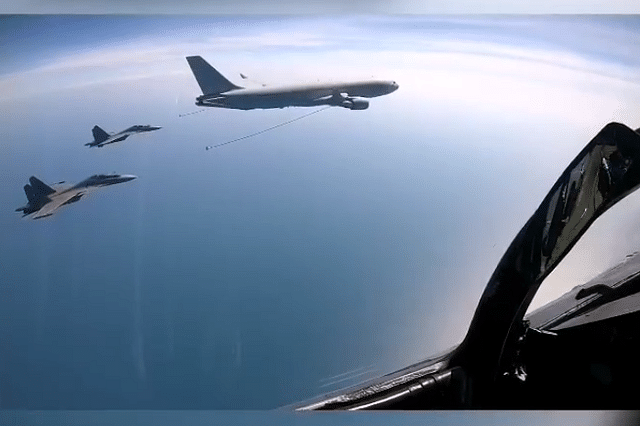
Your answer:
<point x="44" y="200"/>
<point x="101" y="138"/>
<point x="219" y="92"/>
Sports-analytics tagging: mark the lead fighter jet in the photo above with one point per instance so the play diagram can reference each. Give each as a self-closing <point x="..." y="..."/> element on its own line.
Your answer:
<point x="581" y="351"/>
<point x="101" y="138"/>
<point x="219" y="92"/>
<point x="44" y="200"/>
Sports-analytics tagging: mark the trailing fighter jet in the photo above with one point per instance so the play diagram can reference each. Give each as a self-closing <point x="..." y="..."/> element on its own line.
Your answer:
<point x="219" y="92"/>
<point x="580" y="351"/>
<point x="101" y="138"/>
<point x="44" y="200"/>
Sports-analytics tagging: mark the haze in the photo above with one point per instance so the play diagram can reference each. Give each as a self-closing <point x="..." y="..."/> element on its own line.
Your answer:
<point x="348" y="242"/>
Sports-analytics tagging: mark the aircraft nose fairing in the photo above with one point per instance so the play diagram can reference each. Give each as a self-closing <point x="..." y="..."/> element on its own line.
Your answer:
<point x="113" y="179"/>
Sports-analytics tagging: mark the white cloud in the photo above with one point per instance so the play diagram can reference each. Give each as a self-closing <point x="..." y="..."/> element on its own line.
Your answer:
<point x="472" y="67"/>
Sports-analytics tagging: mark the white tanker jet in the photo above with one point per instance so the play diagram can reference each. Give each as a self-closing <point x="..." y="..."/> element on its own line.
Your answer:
<point x="219" y="92"/>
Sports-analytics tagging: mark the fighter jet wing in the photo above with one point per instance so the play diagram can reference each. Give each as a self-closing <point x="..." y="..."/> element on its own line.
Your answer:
<point x="614" y="293"/>
<point x="115" y="139"/>
<point x="58" y="201"/>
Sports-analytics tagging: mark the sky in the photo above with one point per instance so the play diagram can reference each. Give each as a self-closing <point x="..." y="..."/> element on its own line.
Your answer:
<point x="334" y="249"/>
<point x="320" y="7"/>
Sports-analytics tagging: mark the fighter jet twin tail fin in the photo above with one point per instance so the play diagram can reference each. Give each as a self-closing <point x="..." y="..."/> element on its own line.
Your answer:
<point x="37" y="189"/>
<point x="99" y="135"/>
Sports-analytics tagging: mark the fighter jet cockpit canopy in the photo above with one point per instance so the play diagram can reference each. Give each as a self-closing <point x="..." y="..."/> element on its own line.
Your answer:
<point x="558" y="357"/>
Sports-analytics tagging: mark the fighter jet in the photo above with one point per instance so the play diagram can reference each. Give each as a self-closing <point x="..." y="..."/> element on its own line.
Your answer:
<point x="44" y="200"/>
<point x="219" y="92"/>
<point x="580" y="351"/>
<point x="101" y="138"/>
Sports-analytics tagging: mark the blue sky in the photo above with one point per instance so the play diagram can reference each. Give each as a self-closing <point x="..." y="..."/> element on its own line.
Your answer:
<point x="245" y="277"/>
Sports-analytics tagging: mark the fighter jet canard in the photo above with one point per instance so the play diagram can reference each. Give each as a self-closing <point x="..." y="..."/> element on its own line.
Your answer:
<point x="220" y="92"/>
<point x="101" y="138"/>
<point x="44" y="200"/>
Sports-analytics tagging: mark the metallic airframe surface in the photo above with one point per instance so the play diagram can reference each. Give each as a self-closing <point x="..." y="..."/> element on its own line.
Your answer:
<point x="101" y="138"/>
<point x="219" y="92"/>
<point x="578" y="352"/>
<point x="43" y="200"/>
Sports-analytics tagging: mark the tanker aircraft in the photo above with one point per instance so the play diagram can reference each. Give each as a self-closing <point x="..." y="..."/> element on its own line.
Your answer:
<point x="219" y="92"/>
